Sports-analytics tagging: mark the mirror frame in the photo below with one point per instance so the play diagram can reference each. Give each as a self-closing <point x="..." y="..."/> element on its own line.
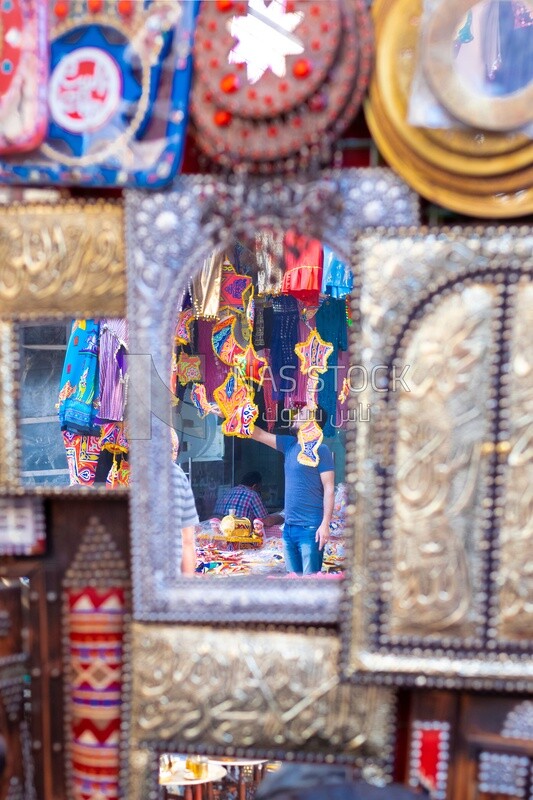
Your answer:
<point x="392" y="269"/>
<point x="59" y="261"/>
<point x="210" y="212"/>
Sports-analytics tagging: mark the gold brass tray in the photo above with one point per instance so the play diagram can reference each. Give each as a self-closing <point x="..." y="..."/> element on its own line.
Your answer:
<point x="396" y="62"/>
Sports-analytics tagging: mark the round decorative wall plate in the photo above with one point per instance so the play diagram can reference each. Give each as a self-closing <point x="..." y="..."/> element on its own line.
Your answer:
<point x="265" y="60"/>
<point x="474" y="185"/>
<point x="401" y="29"/>
<point x="449" y="194"/>
<point x="23" y="73"/>
<point x="117" y="94"/>
<point x="303" y="113"/>
<point x="465" y="169"/>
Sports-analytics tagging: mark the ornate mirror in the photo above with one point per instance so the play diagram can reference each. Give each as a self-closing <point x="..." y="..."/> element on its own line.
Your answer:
<point x="210" y="215"/>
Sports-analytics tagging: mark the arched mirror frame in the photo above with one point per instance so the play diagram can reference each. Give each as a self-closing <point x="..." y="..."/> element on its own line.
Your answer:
<point x="208" y="213"/>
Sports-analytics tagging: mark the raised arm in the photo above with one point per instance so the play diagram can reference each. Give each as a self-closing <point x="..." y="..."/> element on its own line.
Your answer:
<point x="264" y="437"/>
<point x="328" y="483"/>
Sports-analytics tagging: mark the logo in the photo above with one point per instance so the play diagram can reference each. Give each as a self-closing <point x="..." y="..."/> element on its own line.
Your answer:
<point x="85" y="90"/>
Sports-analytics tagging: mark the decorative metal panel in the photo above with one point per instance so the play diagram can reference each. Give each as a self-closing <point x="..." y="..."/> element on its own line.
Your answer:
<point x="259" y="693"/>
<point x="512" y="610"/>
<point x="58" y="260"/>
<point x="437" y="592"/>
<point x="8" y="442"/>
<point x="65" y="259"/>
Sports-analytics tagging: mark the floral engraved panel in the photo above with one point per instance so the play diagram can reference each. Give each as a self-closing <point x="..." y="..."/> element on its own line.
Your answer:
<point x="514" y="606"/>
<point x="251" y="689"/>
<point x="440" y="469"/>
<point x="62" y="259"/>
<point x="208" y="212"/>
<point x="8" y="449"/>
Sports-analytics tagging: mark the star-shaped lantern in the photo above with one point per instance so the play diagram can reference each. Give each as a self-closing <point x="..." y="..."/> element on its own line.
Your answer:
<point x="265" y="38"/>
<point x="235" y="400"/>
<point x="313" y="353"/>
<point x="310" y="437"/>
<point x="250" y="365"/>
<point x="234" y="288"/>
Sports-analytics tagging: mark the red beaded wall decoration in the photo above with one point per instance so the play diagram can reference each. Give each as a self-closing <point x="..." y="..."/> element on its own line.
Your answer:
<point x="273" y="80"/>
<point x="429" y="757"/>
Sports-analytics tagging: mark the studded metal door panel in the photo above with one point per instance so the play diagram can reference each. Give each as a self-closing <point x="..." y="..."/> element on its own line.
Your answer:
<point x="441" y="586"/>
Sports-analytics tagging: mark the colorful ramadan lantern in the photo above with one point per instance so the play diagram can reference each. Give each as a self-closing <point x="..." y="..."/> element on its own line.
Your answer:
<point x="235" y="400"/>
<point x="251" y="366"/>
<point x="118" y="94"/>
<point x="273" y="78"/>
<point x="23" y="74"/>
<point x="188" y="369"/>
<point x="310" y="438"/>
<point x="201" y="403"/>
<point x="313" y="353"/>
<point x="182" y="334"/>
<point x="224" y="340"/>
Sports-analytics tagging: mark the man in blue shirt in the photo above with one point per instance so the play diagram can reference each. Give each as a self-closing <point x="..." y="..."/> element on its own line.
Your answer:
<point x="309" y="496"/>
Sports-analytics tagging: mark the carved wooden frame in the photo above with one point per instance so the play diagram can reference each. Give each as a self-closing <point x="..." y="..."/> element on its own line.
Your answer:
<point x="210" y="212"/>
<point x="401" y="279"/>
<point x="59" y="261"/>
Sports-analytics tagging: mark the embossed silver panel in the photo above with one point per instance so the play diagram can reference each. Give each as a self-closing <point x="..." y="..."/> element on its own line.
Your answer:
<point x="254" y="692"/>
<point x="441" y="469"/>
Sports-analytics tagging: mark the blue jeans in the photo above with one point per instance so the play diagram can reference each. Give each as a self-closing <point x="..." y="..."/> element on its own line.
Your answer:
<point x="301" y="550"/>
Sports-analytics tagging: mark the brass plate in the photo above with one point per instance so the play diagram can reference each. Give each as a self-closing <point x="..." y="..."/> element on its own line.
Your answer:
<point x="507" y="113"/>
<point x="397" y="22"/>
<point x="484" y="185"/>
<point x="440" y="187"/>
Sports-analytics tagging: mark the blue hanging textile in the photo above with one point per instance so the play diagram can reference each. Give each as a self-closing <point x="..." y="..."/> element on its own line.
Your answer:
<point x="337" y="278"/>
<point x="78" y="396"/>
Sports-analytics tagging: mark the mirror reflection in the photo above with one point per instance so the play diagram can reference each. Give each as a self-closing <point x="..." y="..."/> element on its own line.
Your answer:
<point x="261" y="372"/>
<point x="73" y="380"/>
<point x="200" y="777"/>
<point x="493" y="47"/>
